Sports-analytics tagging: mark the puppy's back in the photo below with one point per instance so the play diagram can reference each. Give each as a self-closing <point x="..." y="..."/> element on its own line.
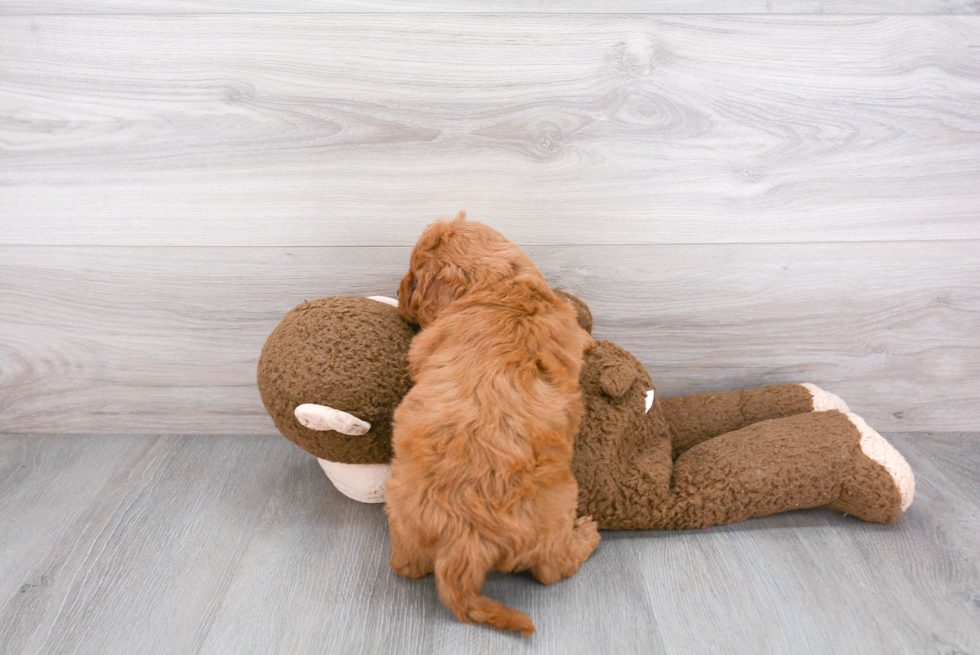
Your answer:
<point x="481" y="477"/>
<point x="502" y="369"/>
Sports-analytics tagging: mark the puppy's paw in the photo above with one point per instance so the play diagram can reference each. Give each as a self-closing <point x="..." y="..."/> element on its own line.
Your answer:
<point x="546" y="574"/>
<point x="587" y="531"/>
<point x="410" y="568"/>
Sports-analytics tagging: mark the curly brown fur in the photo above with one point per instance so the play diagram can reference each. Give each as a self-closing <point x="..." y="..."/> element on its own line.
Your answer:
<point x="481" y="476"/>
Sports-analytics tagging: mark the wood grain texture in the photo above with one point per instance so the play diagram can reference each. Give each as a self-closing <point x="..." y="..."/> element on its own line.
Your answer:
<point x="148" y="563"/>
<point x="231" y="545"/>
<point x="46" y="483"/>
<point x="168" y="338"/>
<point x="344" y="129"/>
<point x="814" y="582"/>
<point x="497" y="6"/>
<point x="326" y="559"/>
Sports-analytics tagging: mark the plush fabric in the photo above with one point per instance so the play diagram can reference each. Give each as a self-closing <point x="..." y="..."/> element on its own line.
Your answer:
<point x="689" y="462"/>
<point x="742" y="454"/>
<point x="349" y="353"/>
<point x="698" y="417"/>
<point x="582" y="311"/>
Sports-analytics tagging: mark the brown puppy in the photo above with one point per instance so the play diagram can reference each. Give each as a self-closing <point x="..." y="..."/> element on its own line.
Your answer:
<point x="481" y="477"/>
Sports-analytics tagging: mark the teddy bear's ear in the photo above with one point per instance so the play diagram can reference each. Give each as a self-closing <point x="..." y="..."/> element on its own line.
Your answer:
<point x="619" y="370"/>
<point x="581" y="309"/>
<point x="617" y="379"/>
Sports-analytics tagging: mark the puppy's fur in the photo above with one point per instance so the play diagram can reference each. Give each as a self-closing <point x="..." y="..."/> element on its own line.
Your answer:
<point x="481" y="478"/>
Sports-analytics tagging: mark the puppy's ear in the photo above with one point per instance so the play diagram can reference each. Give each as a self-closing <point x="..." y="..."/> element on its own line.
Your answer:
<point x="551" y="368"/>
<point x="426" y="291"/>
<point x="432" y="237"/>
<point x="405" y="292"/>
<point x="454" y="275"/>
<point x="436" y="231"/>
<point x="437" y="291"/>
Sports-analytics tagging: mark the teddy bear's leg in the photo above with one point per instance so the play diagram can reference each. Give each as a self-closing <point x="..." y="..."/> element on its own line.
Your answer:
<point x="815" y="459"/>
<point x="698" y="417"/>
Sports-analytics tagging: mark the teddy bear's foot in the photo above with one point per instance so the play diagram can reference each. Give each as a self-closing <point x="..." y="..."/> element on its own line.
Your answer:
<point x="874" y="447"/>
<point x="824" y="401"/>
<point x="880" y="474"/>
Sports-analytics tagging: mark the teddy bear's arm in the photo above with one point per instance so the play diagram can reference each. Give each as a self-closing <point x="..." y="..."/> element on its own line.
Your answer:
<point x="695" y="418"/>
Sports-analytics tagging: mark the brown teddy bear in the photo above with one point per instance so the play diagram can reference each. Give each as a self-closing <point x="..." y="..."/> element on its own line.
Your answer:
<point x="333" y="371"/>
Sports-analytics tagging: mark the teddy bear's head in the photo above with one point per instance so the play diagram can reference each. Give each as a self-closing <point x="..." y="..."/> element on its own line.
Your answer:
<point x="343" y="352"/>
<point x="348" y="355"/>
<point x="622" y="450"/>
<point x="615" y="384"/>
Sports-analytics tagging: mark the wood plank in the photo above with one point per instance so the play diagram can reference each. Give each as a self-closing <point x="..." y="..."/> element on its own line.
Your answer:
<point x="356" y="130"/>
<point x="146" y="566"/>
<point x="240" y="544"/>
<point x="885" y="325"/>
<point x="815" y="582"/>
<point x="167" y="339"/>
<point x="316" y="578"/>
<point x="46" y="482"/>
<point x="496" y="6"/>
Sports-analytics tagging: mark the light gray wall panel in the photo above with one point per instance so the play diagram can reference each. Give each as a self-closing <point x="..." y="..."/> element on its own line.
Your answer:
<point x="105" y="339"/>
<point x="497" y="6"/>
<point x="832" y="161"/>
<point x="351" y="130"/>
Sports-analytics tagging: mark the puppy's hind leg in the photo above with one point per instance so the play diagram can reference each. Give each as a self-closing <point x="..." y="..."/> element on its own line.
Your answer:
<point x="566" y="554"/>
<point x="408" y="558"/>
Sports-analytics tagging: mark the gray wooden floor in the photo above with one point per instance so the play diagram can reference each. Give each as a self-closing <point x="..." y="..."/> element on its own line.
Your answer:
<point x="230" y="544"/>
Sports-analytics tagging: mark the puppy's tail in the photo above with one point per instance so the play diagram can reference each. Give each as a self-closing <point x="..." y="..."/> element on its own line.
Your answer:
<point x="459" y="576"/>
